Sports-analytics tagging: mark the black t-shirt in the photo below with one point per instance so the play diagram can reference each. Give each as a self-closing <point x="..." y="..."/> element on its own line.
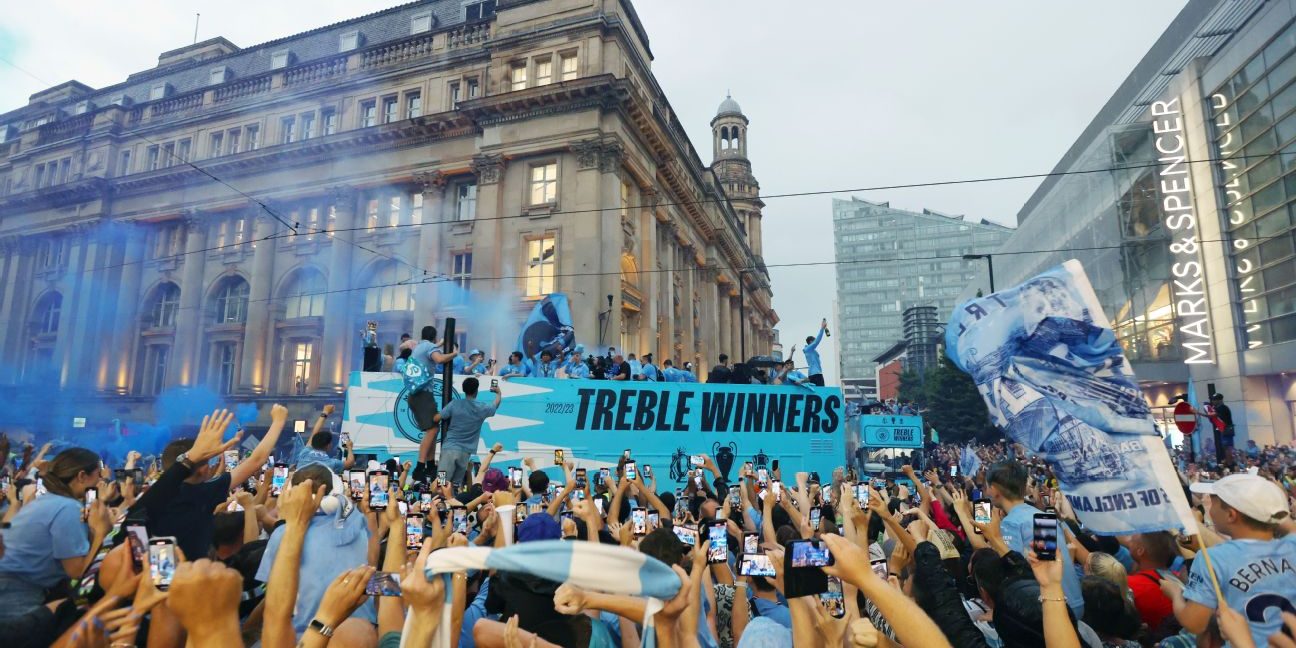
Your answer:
<point x="188" y="516"/>
<point x="719" y="374"/>
<point x="1226" y="416"/>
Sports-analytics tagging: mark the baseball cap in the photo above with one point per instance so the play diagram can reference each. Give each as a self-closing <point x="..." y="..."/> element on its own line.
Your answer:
<point x="1252" y="495"/>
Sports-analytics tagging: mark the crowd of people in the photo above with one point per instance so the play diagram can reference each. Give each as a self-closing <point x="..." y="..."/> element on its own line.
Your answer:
<point x="211" y="546"/>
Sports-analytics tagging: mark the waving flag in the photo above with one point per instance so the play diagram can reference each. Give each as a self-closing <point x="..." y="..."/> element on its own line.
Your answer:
<point x="548" y="327"/>
<point x="1046" y="361"/>
<point x="969" y="462"/>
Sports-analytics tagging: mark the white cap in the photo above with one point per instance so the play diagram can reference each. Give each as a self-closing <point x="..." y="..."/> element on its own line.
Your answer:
<point x="1252" y="495"/>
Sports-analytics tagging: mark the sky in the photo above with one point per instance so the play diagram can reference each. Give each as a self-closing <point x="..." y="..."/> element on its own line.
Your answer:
<point x="845" y="95"/>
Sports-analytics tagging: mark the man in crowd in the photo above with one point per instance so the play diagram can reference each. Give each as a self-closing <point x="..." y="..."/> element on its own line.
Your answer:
<point x="811" y="351"/>
<point x="466" y="416"/>
<point x="546" y="366"/>
<point x="721" y="372"/>
<point x="649" y="369"/>
<point x="575" y="366"/>
<point x="515" y="367"/>
<point x="1007" y="488"/>
<point x="320" y="448"/>
<point x="619" y="369"/>
<point x="420" y="373"/>
<point x="1153" y="553"/>
<point x="1224" y="442"/>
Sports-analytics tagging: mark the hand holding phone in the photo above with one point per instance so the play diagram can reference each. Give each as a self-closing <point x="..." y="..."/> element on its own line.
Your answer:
<point x="1045" y="536"/>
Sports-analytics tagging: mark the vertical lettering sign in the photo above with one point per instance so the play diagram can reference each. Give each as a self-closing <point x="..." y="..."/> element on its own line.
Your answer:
<point x="1188" y="281"/>
<point x="1228" y="143"/>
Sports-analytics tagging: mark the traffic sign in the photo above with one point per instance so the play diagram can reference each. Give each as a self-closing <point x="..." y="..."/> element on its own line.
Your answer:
<point x="887" y="431"/>
<point x="1185" y="418"/>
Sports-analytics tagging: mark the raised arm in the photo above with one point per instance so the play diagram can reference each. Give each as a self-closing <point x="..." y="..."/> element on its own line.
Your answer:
<point x="261" y="453"/>
<point x="297" y="505"/>
<point x="912" y="626"/>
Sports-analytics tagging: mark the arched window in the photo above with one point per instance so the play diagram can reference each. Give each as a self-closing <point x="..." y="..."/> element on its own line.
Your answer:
<point x="304" y="294"/>
<point x="230" y="301"/>
<point x="724" y="137"/>
<point x="384" y="293"/>
<point x="48" y="310"/>
<point x="163" y="306"/>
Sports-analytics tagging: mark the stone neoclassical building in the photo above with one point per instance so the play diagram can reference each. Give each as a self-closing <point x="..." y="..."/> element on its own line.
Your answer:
<point x="232" y="217"/>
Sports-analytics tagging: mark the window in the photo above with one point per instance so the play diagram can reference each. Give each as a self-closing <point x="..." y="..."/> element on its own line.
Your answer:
<point x="39" y="176"/>
<point x="308" y="126"/>
<point x="567" y="66"/>
<point x="368" y="114"/>
<point x="461" y="276"/>
<point x="233" y="137"/>
<point x="312" y="223"/>
<point x="544" y="184"/>
<point x="168" y="154"/>
<point x="301" y="366"/>
<point x="48" y="311"/>
<point x="217" y="75"/>
<point x="286" y="130"/>
<point x="387" y="293"/>
<point x="330" y="119"/>
<point x="416" y="207"/>
<point x="215" y="148"/>
<point x="394" y="210"/>
<point x="479" y="10"/>
<point x="413" y="105"/>
<point x="169" y="241"/>
<point x="420" y="23"/>
<point x="304" y="296"/>
<point x="371" y="214"/>
<point x="540" y="266"/>
<point x="226" y="357"/>
<point x="454" y="95"/>
<point x="182" y="150"/>
<point x="159" y="91"/>
<point x="518" y="76"/>
<point x="253" y="137"/>
<point x="230" y="306"/>
<point x="473" y="88"/>
<point x="280" y="59"/>
<point x="152" y="162"/>
<point x="153" y="369"/>
<point x="231" y="233"/>
<point x="544" y="71"/>
<point x="166" y="302"/>
<point x="390" y="113"/>
<point x="349" y="41"/>
<point x="123" y="165"/>
<point x="466" y="201"/>
<point x="50" y="254"/>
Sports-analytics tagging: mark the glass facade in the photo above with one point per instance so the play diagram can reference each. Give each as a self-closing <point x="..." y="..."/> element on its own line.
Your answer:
<point x="1254" y="121"/>
<point x="890" y="259"/>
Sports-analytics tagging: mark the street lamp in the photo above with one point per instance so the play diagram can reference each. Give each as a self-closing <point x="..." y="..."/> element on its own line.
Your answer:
<point x="989" y="265"/>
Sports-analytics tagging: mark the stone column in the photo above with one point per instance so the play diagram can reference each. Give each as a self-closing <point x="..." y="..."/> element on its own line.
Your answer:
<point x="431" y="253"/>
<point x="183" y="370"/>
<point x="488" y="251"/>
<point x="127" y="318"/>
<point x="336" y="355"/>
<point x="725" y="344"/>
<point x="610" y="156"/>
<point x="735" y="325"/>
<point x="13" y="330"/>
<point x="79" y="329"/>
<point x="254" y="370"/>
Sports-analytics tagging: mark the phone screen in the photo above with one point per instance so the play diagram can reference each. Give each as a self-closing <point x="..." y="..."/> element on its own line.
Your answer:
<point x="639" y="518"/>
<point x="833" y="600"/>
<point x="735" y="496"/>
<point x="278" y="480"/>
<point x="378" y="484"/>
<point x="162" y="561"/>
<point x="231" y="459"/>
<point x="631" y="472"/>
<point x="777" y="487"/>
<point x="654" y="519"/>
<point x="717" y="544"/>
<point x="1046" y="536"/>
<point x="862" y="493"/>
<point x="953" y="471"/>
<point x="91" y="495"/>
<point x="460" y="519"/>
<point x="598" y="504"/>
<point x="442" y="478"/>
<point x="515" y="477"/>
<point x="762" y="476"/>
<point x="346" y="439"/>
<point x="137" y="538"/>
<point x="751" y="543"/>
<point x="981" y="512"/>
<point x="816" y="515"/>
<point x="383" y="584"/>
<point x="604" y="475"/>
<point x="696" y="461"/>
<point x="580" y="478"/>
<point x="558" y="458"/>
<point x="810" y="553"/>
<point x="880" y="568"/>
<point x="647" y="471"/>
<point x="756" y="565"/>
<point x="414" y="531"/>
<point x="687" y="535"/>
<point x="355" y="483"/>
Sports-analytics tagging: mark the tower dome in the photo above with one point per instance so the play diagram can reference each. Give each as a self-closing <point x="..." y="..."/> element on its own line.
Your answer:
<point x="729" y="107"/>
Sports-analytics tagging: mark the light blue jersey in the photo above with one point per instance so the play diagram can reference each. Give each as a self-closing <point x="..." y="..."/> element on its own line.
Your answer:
<point x="1258" y="580"/>
<point x="650" y="371"/>
<point x="418" y="370"/>
<point x="1018" y="530"/>
<point x="544" y="369"/>
<point x="519" y="370"/>
<point x="811" y="352"/>
<point x="576" y="369"/>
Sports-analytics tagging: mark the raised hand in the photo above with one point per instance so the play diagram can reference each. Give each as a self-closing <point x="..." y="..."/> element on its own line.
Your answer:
<point x="209" y="442"/>
<point x="344" y="595"/>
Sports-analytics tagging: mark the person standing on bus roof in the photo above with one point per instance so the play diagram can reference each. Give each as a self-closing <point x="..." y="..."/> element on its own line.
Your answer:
<point x="811" y="352"/>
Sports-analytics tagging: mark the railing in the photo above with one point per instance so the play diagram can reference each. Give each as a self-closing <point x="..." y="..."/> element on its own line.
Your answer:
<point x="244" y="88"/>
<point x="397" y="52"/>
<point x="178" y="104"/>
<point x="65" y="129"/>
<point x="468" y="35"/>
<point x="317" y="71"/>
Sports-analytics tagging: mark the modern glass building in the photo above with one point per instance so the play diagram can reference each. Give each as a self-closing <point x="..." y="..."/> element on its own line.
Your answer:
<point x="885" y="265"/>
<point x="1178" y="200"/>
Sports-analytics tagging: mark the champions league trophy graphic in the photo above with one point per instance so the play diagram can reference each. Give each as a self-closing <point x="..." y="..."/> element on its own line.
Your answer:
<point x="724" y="457"/>
<point x="761" y="460"/>
<point x="679" y="467"/>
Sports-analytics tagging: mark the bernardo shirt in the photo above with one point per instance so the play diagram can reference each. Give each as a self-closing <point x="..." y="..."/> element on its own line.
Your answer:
<point x="811" y="352"/>
<point x="1258" y="579"/>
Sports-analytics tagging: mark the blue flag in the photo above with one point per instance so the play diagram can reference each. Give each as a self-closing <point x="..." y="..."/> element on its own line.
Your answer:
<point x="1197" y="434"/>
<point x="969" y="462"/>
<point x="548" y="327"/>
<point x="1046" y="361"/>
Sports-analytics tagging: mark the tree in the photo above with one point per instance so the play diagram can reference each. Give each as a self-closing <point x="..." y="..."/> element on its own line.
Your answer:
<point x="955" y="407"/>
<point x="913" y="388"/>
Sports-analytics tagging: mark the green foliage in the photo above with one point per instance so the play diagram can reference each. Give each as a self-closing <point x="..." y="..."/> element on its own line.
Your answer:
<point x="953" y="405"/>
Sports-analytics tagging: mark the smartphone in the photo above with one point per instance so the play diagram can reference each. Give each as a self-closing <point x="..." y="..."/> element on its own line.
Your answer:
<point x="515" y="477"/>
<point x="355" y="480"/>
<point x="137" y="538"/>
<point x="647" y="471"/>
<point x="519" y="514"/>
<point x="687" y="535"/>
<point x="580" y="478"/>
<point x="631" y="472"/>
<point x="1045" y="536"/>
<point x="231" y="459"/>
<point x="162" y="560"/>
<point x="442" y="478"/>
<point x="747" y="467"/>
<point x="278" y="479"/>
<point x="756" y="565"/>
<point x="414" y="531"/>
<point x="379" y="481"/>
<point x="137" y="476"/>
<point x="459" y="520"/>
<point x="578" y="495"/>
<point x="119" y="474"/>
<point x="604" y="475"/>
<point x="735" y="497"/>
<point x="762" y="476"/>
<point x="346" y="439"/>
<point x="827" y="495"/>
<point x="880" y="568"/>
<point x="402" y="507"/>
<point x="697" y="479"/>
<point x="626" y="454"/>
<point x="810" y="553"/>
<point x="777" y="487"/>
<point x="383" y="584"/>
<point x="834" y="600"/>
<point x="953" y="471"/>
<point x="639" y="518"/>
<point x="981" y="512"/>
<point x="91" y="495"/>
<point x="717" y="544"/>
<point x="558" y="457"/>
<point x="598" y="504"/>
<point x="816" y="516"/>
<point x="862" y="493"/>
<point x="494" y="383"/>
<point x="654" y="519"/>
<point x="774" y="466"/>
<point x="697" y="461"/>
